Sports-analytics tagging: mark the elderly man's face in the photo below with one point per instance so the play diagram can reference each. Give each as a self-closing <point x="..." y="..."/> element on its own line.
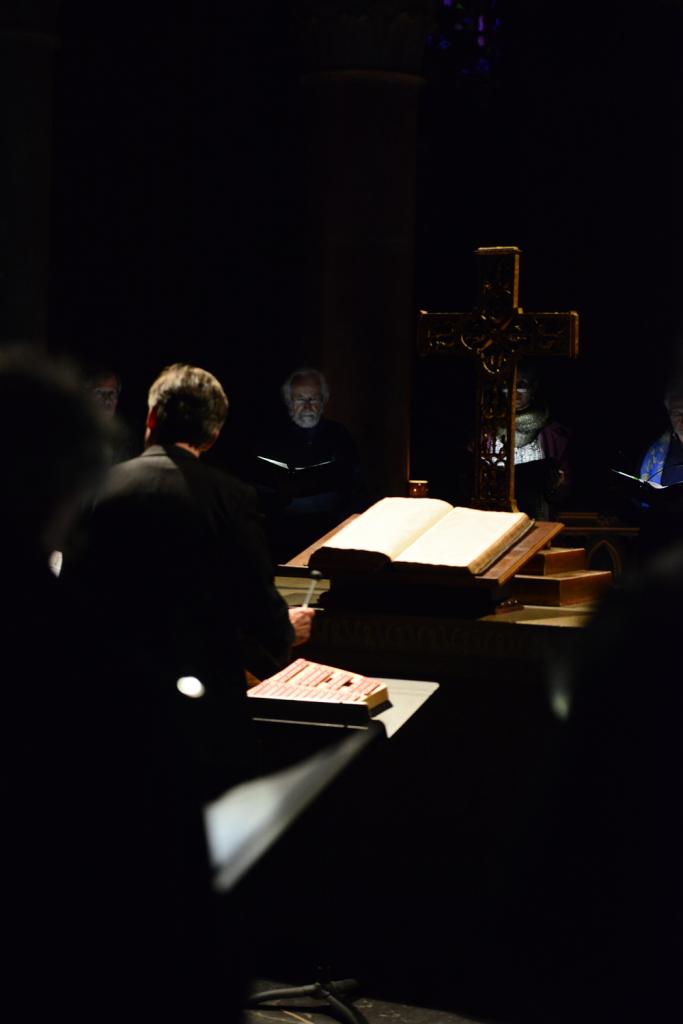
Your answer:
<point x="306" y="405"/>
<point x="105" y="391"/>
<point x="674" y="407"/>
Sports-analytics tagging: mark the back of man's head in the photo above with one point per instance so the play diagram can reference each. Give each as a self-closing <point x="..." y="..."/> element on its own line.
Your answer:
<point x="189" y="406"/>
<point x="55" y="443"/>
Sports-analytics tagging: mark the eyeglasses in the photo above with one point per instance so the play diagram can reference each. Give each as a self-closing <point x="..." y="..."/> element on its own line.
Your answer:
<point x="106" y="394"/>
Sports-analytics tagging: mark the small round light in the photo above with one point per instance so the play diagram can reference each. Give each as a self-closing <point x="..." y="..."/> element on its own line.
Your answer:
<point x="190" y="686"/>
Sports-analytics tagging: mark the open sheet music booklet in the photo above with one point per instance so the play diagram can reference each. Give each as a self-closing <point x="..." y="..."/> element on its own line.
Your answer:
<point x="648" y="490"/>
<point x="419" y="533"/>
<point x="294" y="469"/>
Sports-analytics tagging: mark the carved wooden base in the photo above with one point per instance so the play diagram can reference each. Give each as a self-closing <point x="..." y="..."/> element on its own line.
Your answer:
<point x="522" y="644"/>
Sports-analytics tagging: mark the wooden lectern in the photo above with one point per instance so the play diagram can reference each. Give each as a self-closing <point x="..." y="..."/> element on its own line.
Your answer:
<point x="409" y="627"/>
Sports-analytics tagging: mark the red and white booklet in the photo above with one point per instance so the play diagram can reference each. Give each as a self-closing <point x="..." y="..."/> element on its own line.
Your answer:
<point x="304" y="683"/>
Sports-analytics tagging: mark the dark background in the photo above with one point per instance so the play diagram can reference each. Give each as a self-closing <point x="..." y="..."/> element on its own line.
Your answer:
<point x="568" y="149"/>
<point x="179" y="214"/>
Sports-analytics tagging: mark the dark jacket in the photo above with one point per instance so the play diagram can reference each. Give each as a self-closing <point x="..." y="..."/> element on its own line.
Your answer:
<point x="103" y="867"/>
<point x="171" y="579"/>
<point x="308" y="481"/>
<point x="175" y="563"/>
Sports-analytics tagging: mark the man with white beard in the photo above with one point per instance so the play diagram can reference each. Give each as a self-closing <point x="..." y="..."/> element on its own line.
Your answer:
<point x="307" y="475"/>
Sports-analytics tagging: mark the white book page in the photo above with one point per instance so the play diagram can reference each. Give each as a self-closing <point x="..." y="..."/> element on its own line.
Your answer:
<point x="390" y="525"/>
<point x="465" y="537"/>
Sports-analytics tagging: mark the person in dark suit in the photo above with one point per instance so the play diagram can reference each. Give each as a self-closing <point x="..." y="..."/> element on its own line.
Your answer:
<point x="175" y="566"/>
<point x="306" y="473"/>
<point x="660" y="513"/>
<point x="176" y="562"/>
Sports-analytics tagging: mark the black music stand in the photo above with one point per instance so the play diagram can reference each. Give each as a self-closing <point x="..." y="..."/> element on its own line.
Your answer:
<point x="334" y="995"/>
<point x="246" y="821"/>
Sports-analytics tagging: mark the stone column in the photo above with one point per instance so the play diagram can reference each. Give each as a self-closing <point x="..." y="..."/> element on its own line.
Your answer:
<point x="27" y="47"/>
<point x="360" y="113"/>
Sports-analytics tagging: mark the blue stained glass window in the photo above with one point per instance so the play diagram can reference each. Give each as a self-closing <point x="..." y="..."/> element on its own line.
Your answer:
<point x="466" y="34"/>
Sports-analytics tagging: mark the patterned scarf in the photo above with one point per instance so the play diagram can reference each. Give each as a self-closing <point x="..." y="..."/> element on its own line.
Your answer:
<point x="528" y="425"/>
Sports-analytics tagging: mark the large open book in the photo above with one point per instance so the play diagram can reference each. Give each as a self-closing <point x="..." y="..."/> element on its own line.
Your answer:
<point x="416" y="533"/>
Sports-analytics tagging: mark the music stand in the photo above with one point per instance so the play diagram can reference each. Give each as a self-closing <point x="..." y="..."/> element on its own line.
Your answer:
<point x="246" y="821"/>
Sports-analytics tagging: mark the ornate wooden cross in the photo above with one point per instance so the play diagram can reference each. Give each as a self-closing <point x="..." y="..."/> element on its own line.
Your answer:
<point x="497" y="334"/>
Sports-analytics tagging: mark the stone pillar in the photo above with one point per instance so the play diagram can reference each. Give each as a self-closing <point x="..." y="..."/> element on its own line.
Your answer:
<point x="360" y="112"/>
<point x="27" y="46"/>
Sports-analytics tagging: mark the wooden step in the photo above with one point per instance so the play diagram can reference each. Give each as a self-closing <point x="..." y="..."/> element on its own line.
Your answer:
<point x="562" y="588"/>
<point x="554" y="560"/>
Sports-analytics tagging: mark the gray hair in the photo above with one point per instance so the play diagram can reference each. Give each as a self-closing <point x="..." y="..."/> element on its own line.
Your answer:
<point x="190" y="402"/>
<point x="304" y="371"/>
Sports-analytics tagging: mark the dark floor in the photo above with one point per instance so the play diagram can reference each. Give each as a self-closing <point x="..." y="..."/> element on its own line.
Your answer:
<point x="372" y="1010"/>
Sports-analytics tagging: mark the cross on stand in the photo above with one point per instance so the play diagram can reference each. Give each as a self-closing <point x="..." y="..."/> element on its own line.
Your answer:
<point x="497" y="334"/>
